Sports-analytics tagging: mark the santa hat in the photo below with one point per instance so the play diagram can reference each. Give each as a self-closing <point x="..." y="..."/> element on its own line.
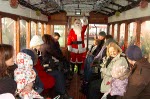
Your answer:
<point x="35" y="41"/>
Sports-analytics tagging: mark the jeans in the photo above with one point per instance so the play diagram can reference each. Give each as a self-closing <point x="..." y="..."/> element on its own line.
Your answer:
<point x="60" y="81"/>
<point x="87" y="67"/>
<point x="94" y="90"/>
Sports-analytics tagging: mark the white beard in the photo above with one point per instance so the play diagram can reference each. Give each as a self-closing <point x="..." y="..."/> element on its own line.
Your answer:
<point x="77" y="30"/>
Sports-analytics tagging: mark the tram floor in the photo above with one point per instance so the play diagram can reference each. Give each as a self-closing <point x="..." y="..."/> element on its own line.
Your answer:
<point x="75" y="87"/>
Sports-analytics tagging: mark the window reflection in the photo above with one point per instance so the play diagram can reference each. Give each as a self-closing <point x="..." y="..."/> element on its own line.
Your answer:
<point x="94" y="30"/>
<point x="33" y="28"/>
<point x="144" y="38"/>
<point x="132" y="33"/>
<point x="23" y="32"/>
<point x="110" y="30"/>
<point x="122" y="34"/>
<point x="115" y="31"/>
<point x="61" y="30"/>
<point x="39" y="29"/>
<point x="8" y="31"/>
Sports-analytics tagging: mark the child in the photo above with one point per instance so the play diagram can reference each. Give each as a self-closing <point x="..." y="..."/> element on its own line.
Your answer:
<point x="93" y="47"/>
<point x="25" y="76"/>
<point x="119" y="81"/>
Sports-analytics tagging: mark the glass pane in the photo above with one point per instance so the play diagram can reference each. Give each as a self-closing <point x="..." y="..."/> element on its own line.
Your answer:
<point x="8" y="31"/>
<point x="145" y="37"/>
<point x="132" y="33"/>
<point x="115" y="31"/>
<point x="61" y="30"/>
<point x="44" y="28"/>
<point x="39" y="29"/>
<point x="110" y="30"/>
<point x="33" y="28"/>
<point x="122" y="34"/>
<point x="23" y="32"/>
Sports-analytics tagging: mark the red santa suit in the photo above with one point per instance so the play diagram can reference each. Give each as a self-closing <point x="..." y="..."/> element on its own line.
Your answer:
<point x="76" y="44"/>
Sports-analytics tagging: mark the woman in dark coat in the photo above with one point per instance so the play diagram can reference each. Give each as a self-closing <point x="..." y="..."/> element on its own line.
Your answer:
<point x="139" y="80"/>
<point x="7" y="83"/>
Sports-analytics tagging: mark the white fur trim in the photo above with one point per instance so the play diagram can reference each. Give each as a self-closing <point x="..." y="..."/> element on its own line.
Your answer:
<point x="74" y="50"/>
<point x="82" y="50"/>
<point x="85" y="21"/>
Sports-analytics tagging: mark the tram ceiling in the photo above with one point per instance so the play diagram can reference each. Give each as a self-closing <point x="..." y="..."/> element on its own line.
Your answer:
<point x="106" y="7"/>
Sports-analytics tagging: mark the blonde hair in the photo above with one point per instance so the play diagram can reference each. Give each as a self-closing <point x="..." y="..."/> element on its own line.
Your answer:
<point x="115" y="46"/>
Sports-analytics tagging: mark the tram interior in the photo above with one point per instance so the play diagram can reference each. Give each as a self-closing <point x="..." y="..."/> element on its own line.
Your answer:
<point x="128" y="21"/>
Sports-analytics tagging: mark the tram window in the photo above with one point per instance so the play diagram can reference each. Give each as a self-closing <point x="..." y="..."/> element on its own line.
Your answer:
<point x="132" y="33"/>
<point x="122" y="34"/>
<point x="110" y="30"/>
<point x="39" y="32"/>
<point x="8" y="31"/>
<point x="33" y="28"/>
<point x="61" y="30"/>
<point x="115" y="31"/>
<point x="94" y="29"/>
<point x="23" y="33"/>
<point x="144" y="38"/>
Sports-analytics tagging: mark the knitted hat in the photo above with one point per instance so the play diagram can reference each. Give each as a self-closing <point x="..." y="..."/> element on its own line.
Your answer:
<point x="35" y="41"/>
<point x="133" y="52"/>
<point x="102" y="33"/>
<point x="30" y="53"/>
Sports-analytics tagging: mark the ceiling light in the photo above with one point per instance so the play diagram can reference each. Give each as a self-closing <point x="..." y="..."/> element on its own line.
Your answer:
<point x="77" y="11"/>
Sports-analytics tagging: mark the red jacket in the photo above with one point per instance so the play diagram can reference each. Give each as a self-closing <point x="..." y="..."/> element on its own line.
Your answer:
<point x="47" y="80"/>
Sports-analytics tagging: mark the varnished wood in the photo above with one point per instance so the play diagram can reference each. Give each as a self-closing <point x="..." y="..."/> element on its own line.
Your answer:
<point x="42" y="29"/>
<point x="17" y="35"/>
<point x="28" y="33"/>
<point x="36" y="31"/>
<point x="138" y="32"/>
<point x="118" y="33"/>
<point x="0" y="29"/>
<point x="112" y="32"/>
<point x="126" y="34"/>
<point x="48" y="28"/>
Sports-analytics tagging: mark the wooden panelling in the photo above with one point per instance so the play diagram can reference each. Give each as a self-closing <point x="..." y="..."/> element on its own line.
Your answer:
<point x="118" y="33"/>
<point x="0" y="29"/>
<point x="59" y="18"/>
<point x="126" y="35"/>
<point x="97" y="18"/>
<point x="28" y="33"/>
<point x="42" y="29"/>
<point x="112" y="32"/>
<point x="138" y="32"/>
<point x="17" y="35"/>
<point x="48" y="28"/>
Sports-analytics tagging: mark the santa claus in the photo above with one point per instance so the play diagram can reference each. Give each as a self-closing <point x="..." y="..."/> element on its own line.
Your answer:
<point x="75" y="43"/>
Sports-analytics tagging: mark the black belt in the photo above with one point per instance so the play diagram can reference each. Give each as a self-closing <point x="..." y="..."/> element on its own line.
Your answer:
<point x="77" y="42"/>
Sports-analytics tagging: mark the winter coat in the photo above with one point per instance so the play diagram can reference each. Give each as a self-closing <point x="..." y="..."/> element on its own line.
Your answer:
<point x="139" y="81"/>
<point x="25" y="75"/>
<point x="47" y="80"/>
<point x="106" y="72"/>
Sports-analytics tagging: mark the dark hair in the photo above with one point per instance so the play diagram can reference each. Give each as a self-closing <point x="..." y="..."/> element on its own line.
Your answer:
<point x="48" y="39"/>
<point x="108" y="36"/>
<point x="6" y="52"/>
<point x="56" y="34"/>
